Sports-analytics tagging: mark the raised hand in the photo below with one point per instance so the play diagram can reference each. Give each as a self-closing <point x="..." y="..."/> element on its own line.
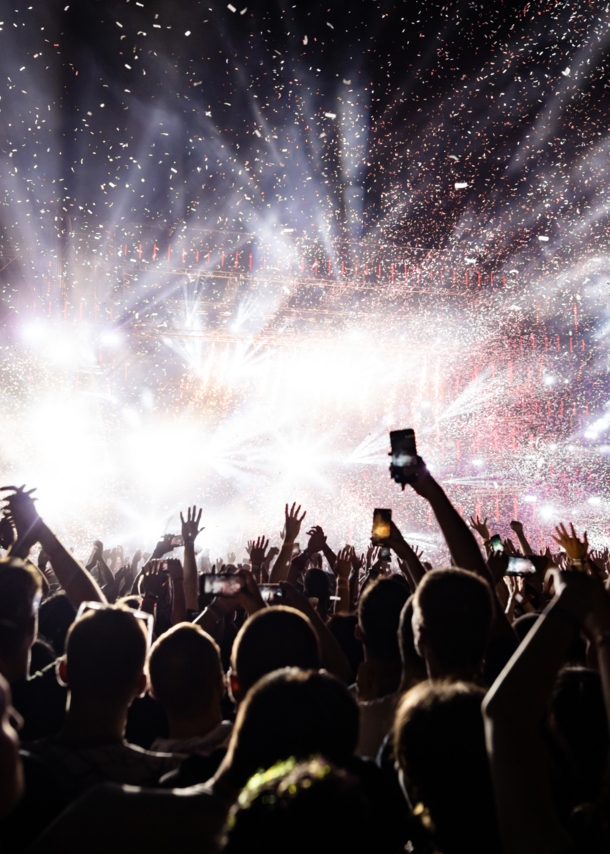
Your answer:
<point x="190" y="526"/>
<point x="22" y="514"/>
<point x="257" y="550"/>
<point x="249" y="597"/>
<point x="372" y="554"/>
<point x="343" y="563"/>
<point x="174" y="568"/>
<point x="418" y="552"/>
<point x="317" y="540"/>
<point x="163" y="546"/>
<point x="480" y="526"/>
<point x="575" y="548"/>
<point x="153" y="579"/>
<point x="517" y="526"/>
<point x="293" y="522"/>
<point x="357" y="561"/>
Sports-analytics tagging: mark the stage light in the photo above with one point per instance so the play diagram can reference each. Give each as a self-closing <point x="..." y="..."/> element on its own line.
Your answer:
<point x="111" y="338"/>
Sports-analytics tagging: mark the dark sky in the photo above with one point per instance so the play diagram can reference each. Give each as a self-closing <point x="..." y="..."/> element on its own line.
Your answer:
<point x="334" y="119"/>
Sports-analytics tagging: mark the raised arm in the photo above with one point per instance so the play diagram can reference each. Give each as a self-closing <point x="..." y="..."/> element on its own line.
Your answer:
<point x="515" y="708"/>
<point x="190" y="531"/>
<point x="73" y="577"/>
<point x="318" y="543"/>
<point x="517" y="527"/>
<point x="176" y="573"/>
<point x="342" y="570"/>
<point x="403" y="550"/>
<point x="279" y="571"/>
<point x="458" y="536"/>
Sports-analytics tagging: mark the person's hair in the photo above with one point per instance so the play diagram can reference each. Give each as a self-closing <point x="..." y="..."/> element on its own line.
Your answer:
<point x="105" y="654"/>
<point x="379" y="615"/>
<point x="316" y="584"/>
<point x="307" y="807"/>
<point x="412" y="662"/>
<point x="580" y="725"/>
<point x="439" y="744"/>
<point x="456" y="610"/>
<point x="185" y="670"/>
<point x="20" y="584"/>
<point x="296" y="713"/>
<point x="55" y="617"/>
<point x="271" y="639"/>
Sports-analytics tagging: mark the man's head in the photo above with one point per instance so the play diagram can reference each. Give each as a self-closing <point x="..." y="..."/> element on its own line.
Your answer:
<point x="271" y="639"/>
<point x="379" y="616"/>
<point x="293" y="712"/>
<point x="105" y="657"/>
<point x="452" y="614"/>
<point x="439" y="744"/>
<point x="310" y="806"/>
<point x="20" y="589"/>
<point x="413" y="666"/>
<point x="186" y="672"/>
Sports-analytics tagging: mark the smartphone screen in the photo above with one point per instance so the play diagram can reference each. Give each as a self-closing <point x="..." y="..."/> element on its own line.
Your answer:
<point x="381" y="527"/>
<point x="520" y="566"/>
<point x="270" y="592"/>
<point x="176" y="541"/>
<point x="404" y="455"/>
<point x="497" y="546"/>
<point x="222" y="585"/>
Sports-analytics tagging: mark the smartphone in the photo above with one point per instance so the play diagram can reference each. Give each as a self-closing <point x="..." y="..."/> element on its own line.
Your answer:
<point x="496" y="544"/>
<point x="270" y="592"/>
<point x="381" y="527"/>
<point x="176" y="541"/>
<point x="222" y="585"/>
<point x="296" y="549"/>
<point x="520" y="566"/>
<point x="385" y="553"/>
<point x="404" y="456"/>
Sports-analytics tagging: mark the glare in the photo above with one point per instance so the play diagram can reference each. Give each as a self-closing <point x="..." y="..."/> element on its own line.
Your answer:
<point x="111" y="338"/>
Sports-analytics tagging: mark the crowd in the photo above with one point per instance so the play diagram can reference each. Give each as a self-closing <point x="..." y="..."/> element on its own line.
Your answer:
<point x="317" y="701"/>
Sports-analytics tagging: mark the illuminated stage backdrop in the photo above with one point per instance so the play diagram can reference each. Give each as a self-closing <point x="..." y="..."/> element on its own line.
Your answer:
<point x="161" y="369"/>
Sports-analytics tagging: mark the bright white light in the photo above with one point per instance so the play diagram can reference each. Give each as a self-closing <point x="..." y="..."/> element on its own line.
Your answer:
<point x="546" y="511"/>
<point x="548" y="380"/>
<point x="531" y="499"/>
<point x="111" y="338"/>
<point x="595" y="500"/>
<point x="478" y="462"/>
